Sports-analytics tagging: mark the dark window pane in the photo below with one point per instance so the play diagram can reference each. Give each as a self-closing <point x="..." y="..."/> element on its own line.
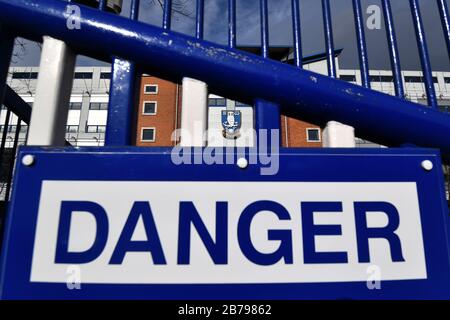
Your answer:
<point x="240" y="104"/>
<point x="151" y="89"/>
<point x="150" y="108"/>
<point x="447" y="80"/>
<point x="148" y="134"/>
<point x="215" y="102"/>
<point x="75" y="106"/>
<point x="72" y="129"/>
<point x="25" y="75"/>
<point x="444" y="108"/>
<point x="348" y="78"/>
<point x="313" y="135"/>
<point x="83" y="75"/>
<point x="94" y="106"/>
<point x="105" y="75"/>
<point x="387" y="78"/>
<point x="410" y="79"/>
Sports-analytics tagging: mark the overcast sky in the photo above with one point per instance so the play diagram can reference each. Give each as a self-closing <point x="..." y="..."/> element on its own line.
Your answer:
<point x="312" y="31"/>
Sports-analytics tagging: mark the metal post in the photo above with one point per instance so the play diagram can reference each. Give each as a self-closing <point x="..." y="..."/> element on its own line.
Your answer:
<point x="199" y="19"/>
<point x="445" y="19"/>
<point x="267" y="114"/>
<point x="167" y="14"/>
<point x="333" y="138"/>
<point x="361" y="39"/>
<point x="54" y="86"/>
<point x="298" y="55"/>
<point x="122" y="97"/>
<point x="329" y="43"/>
<point x="423" y="53"/>
<point x="194" y="100"/>
<point x="393" y="50"/>
<point x="232" y="23"/>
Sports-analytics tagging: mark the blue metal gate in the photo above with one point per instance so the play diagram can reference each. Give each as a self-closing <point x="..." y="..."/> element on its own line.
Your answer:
<point x="273" y="87"/>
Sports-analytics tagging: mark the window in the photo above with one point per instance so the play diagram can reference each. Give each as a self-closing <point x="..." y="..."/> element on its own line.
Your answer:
<point x="13" y="128"/>
<point x="348" y="78"/>
<point x="381" y="78"/>
<point x="387" y="78"/>
<point x="214" y="102"/>
<point x="411" y="79"/>
<point x="98" y="106"/>
<point x="150" y="107"/>
<point x="445" y="108"/>
<point x="75" y="106"/>
<point x="151" y="89"/>
<point x="83" y="75"/>
<point x="148" y="134"/>
<point x="71" y="129"/>
<point x="312" y="135"/>
<point x="240" y="104"/>
<point x="447" y="80"/>
<point x="25" y="75"/>
<point x="95" y="129"/>
<point x="105" y="75"/>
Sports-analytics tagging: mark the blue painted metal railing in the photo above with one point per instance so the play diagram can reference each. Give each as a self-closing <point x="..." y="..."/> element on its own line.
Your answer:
<point x="273" y="86"/>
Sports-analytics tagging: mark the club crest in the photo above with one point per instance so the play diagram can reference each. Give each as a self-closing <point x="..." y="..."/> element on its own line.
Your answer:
<point x="231" y="123"/>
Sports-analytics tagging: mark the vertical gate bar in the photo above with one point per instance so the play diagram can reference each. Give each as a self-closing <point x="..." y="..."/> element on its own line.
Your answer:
<point x="13" y="158"/>
<point x="199" y="19"/>
<point x="443" y="10"/>
<point x="329" y="43"/>
<point x="393" y="49"/>
<point x="122" y="97"/>
<point x="264" y="29"/>
<point x="232" y="23"/>
<point x="335" y="134"/>
<point x="194" y="115"/>
<point x="296" y="26"/>
<point x="361" y="39"/>
<point x="167" y="14"/>
<point x="134" y="12"/>
<point x="6" y="50"/>
<point x="423" y="52"/>
<point x="267" y="117"/>
<point x="53" y="90"/>
<point x="267" y="114"/>
<point x="194" y="100"/>
<point x="101" y="5"/>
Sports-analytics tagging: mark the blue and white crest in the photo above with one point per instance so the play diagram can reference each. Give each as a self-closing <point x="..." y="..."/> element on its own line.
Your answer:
<point x="231" y="123"/>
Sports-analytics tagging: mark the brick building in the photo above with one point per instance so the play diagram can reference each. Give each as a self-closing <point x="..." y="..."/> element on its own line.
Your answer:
<point x="158" y="112"/>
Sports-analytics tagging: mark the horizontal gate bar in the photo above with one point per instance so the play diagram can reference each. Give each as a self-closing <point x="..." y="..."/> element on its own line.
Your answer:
<point x="303" y="94"/>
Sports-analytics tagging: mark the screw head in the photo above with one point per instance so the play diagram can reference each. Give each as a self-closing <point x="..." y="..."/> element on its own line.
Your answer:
<point x="28" y="160"/>
<point x="242" y="163"/>
<point x="427" y="165"/>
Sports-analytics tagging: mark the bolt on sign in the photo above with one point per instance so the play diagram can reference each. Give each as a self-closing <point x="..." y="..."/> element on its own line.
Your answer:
<point x="132" y="224"/>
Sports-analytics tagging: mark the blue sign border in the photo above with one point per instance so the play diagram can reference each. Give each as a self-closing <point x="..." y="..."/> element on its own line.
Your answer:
<point x="147" y="164"/>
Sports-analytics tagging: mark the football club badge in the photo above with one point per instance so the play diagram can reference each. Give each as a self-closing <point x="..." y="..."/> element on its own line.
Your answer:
<point x="231" y="123"/>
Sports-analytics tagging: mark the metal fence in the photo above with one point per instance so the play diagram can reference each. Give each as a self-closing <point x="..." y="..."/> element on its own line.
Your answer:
<point x="272" y="87"/>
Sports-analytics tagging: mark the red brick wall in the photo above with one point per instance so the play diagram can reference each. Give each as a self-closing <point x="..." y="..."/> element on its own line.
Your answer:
<point x="296" y="133"/>
<point x="165" y="119"/>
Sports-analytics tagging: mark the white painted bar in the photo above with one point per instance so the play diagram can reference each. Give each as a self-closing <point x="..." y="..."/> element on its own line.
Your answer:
<point x="51" y="105"/>
<point x="338" y="135"/>
<point x="194" y="113"/>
